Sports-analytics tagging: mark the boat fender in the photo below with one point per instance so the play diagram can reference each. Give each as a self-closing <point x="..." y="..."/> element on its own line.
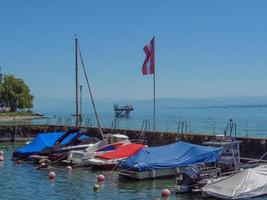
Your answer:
<point x="100" y="178"/>
<point x="1" y="155"/>
<point x="69" y="168"/>
<point x="165" y="193"/>
<point x="51" y="176"/>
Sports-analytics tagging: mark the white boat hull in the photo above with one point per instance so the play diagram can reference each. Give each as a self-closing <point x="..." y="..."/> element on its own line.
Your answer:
<point x="152" y="174"/>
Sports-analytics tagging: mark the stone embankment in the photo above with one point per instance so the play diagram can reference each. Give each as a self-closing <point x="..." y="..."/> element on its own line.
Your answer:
<point x="250" y="147"/>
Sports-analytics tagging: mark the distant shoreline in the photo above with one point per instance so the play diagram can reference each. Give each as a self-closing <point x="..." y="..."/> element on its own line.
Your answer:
<point x="19" y="118"/>
<point x="226" y="106"/>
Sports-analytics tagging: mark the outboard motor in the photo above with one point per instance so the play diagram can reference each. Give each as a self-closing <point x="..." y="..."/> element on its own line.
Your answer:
<point x="186" y="179"/>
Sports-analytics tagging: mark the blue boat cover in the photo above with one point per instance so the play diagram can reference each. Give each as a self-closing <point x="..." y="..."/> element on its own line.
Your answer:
<point x="170" y="156"/>
<point x="41" y="141"/>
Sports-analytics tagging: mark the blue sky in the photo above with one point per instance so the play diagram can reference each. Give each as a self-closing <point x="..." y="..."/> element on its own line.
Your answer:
<point x="204" y="48"/>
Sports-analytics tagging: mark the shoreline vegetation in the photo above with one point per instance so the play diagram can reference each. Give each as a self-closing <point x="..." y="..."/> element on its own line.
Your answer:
<point x="18" y="116"/>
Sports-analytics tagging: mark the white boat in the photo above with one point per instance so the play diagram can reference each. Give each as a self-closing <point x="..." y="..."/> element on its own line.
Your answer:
<point x="80" y="158"/>
<point x="245" y="184"/>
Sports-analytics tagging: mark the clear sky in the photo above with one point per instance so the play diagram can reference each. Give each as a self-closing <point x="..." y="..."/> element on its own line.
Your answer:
<point x="204" y="48"/>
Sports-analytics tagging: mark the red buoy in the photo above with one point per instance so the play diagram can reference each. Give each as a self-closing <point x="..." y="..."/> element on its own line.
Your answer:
<point x="1" y="158"/>
<point x="69" y="168"/>
<point x="52" y="176"/>
<point x="100" y="178"/>
<point x="165" y="193"/>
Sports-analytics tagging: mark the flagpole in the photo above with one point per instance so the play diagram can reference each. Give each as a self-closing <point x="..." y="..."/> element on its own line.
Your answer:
<point x="154" y="102"/>
<point x="148" y="68"/>
<point x="154" y="88"/>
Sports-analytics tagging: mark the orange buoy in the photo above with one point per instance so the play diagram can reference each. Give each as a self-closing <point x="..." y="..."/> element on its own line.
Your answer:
<point x="100" y="178"/>
<point x="165" y="193"/>
<point x="69" y="168"/>
<point x="52" y="176"/>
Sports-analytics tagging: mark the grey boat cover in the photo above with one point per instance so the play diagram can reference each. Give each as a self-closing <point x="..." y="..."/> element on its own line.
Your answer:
<point x="244" y="184"/>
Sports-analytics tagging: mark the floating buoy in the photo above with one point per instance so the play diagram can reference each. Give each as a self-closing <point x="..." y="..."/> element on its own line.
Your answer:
<point x="1" y="153"/>
<point x="96" y="188"/>
<point x="52" y="176"/>
<point x="100" y="178"/>
<point x="165" y="193"/>
<point x="1" y="158"/>
<point x="19" y="161"/>
<point x="69" y="168"/>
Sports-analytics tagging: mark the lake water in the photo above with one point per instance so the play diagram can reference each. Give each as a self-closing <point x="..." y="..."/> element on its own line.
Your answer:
<point x="24" y="182"/>
<point x="250" y="121"/>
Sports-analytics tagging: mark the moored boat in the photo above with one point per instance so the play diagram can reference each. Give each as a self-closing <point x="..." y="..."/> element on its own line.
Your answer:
<point x="41" y="142"/>
<point x="245" y="184"/>
<point x="167" y="160"/>
<point x="110" y="142"/>
<point x="192" y="178"/>
<point x="110" y="159"/>
<point x="80" y="141"/>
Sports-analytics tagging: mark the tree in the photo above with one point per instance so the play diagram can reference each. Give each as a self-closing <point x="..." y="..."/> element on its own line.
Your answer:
<point x="14" y="93"/>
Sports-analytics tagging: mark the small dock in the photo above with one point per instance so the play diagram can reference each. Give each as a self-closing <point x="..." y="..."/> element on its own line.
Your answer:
<point x="123" y="111"/>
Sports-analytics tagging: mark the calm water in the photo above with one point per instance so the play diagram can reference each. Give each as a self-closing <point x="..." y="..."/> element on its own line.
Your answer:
<point x="250" y="121"/>
<point x="24" y="181"/>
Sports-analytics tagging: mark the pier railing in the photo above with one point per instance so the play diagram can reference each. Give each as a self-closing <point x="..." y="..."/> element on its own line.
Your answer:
<point x="191" y="126"/>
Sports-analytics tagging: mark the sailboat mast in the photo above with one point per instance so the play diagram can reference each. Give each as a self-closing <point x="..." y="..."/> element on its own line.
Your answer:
<point x="76" y="81"/>
<point x="91" y="96"/>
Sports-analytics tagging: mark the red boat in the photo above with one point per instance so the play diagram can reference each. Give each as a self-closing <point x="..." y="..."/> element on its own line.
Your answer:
<point x="110" y="159"/>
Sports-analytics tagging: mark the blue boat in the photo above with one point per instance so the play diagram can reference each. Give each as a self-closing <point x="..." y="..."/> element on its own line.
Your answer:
<point x="45" y="143"/>
<point x="167" y="160"/>
<point x="40" y="142"/>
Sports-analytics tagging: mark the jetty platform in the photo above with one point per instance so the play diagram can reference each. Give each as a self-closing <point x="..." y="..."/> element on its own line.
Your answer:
<point x="250" y="147"/>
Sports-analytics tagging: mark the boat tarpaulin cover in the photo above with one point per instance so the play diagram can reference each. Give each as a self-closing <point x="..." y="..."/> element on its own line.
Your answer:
<point x="122" y="151"/>
<point x="244" y="184"/>
<point x="170" y="156"/>
<point x="110" y="147"/>
<point x="41" y="141"/>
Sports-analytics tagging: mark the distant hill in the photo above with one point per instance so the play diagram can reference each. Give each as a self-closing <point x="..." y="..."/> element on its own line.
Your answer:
<point x="66" y="105"/>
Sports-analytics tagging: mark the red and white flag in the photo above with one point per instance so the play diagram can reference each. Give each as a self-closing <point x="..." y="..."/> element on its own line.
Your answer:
<point x="149" y="63"/>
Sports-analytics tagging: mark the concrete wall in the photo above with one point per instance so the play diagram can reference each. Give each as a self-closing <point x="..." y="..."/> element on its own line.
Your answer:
<point x="250" y="147"/>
